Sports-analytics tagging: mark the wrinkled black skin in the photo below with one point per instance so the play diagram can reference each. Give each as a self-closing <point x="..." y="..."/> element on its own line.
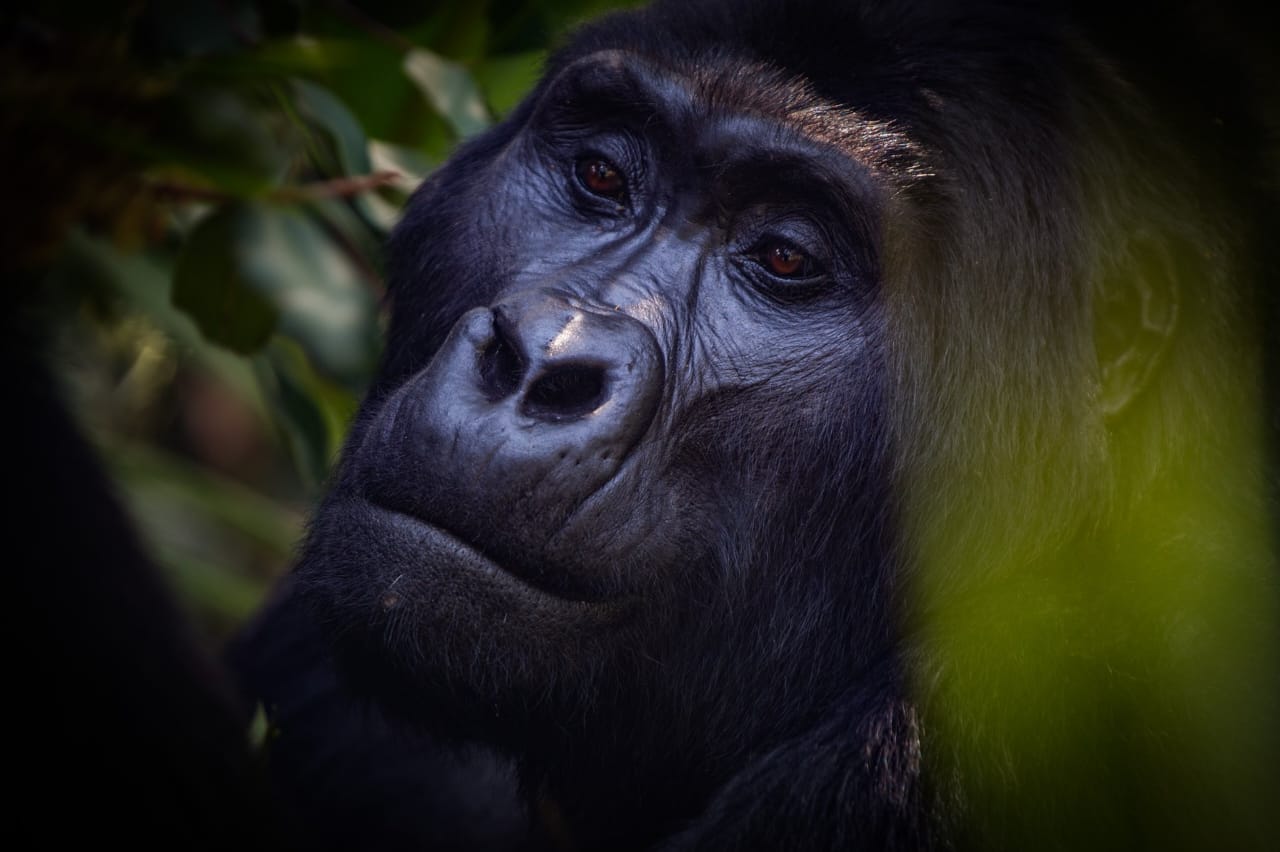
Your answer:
<point x="667" y="590"/>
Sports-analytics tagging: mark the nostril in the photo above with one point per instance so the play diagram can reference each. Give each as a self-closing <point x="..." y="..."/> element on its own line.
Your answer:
<point x="501" y="367"/>
<point x="566" y="391"/>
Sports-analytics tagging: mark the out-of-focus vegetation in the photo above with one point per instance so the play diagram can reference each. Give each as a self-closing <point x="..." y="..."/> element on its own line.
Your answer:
<point x="200" y="192"/>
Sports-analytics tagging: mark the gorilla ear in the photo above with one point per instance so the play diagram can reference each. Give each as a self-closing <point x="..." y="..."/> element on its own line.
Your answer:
<point x="1135" y="317"/>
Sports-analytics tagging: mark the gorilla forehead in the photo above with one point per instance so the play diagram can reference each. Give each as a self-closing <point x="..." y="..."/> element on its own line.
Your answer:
<point x="722" y="103"/>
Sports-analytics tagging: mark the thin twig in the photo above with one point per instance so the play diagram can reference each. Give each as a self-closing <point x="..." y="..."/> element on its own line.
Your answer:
<point x="341" y="187"/>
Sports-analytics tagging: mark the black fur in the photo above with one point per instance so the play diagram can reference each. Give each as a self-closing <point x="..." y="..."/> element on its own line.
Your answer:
<point x="719" y="635"/>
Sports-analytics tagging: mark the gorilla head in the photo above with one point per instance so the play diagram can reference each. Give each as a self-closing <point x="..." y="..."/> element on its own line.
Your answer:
<point x="755" y="339"/>
<point x="633" y="398"/>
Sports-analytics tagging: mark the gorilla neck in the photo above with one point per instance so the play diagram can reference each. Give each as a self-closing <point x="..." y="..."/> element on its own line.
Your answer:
<point x="637" y="769"/>
<point x="864" y="747"/>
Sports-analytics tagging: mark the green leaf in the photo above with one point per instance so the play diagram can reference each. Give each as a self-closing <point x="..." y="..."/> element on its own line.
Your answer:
<point x="140" y="282"/>
<point x="450" y="89"/>
<point x="210" y="587"/>
<point x="323" y="300"/>
<point x="323" y="110"/>
<point x="259" y="731"/>
<point x="458" y="31"/>
<point x="412" y="163"/>
<point x="178" y="483"/>
<point x="240" y="145"/>
<point x="352" y="221"/>
<point x="366" y="76"/>
<point x="348" y="152"/>
<point x="381" y="209"/>
<point x="214" y="281"/>
<point x="250" y="268"/>
<point x="311" y="414"/>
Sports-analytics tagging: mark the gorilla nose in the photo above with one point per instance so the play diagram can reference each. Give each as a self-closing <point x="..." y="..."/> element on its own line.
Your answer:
<point x="552" y="356"/>
<point x="526" y="409"/>
<point x="563" y="360"/>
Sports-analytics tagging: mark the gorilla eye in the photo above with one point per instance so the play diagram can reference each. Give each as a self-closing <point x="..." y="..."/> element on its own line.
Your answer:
<point x="601" y="177"/>
<point x="785" y="260"/>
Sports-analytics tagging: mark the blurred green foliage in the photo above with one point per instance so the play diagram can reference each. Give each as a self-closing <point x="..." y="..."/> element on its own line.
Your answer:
<point x="205" y="191"/>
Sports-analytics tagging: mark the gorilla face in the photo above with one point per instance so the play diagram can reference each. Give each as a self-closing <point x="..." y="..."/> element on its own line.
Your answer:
<point x="633" y="329"/>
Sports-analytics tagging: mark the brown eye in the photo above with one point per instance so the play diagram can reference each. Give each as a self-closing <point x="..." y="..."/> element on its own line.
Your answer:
<point x="786" y="261"/>
<point x="602" y="178"/>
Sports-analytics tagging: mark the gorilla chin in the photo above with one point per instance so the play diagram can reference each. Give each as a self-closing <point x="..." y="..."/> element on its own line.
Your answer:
<point x="433" y="600"/>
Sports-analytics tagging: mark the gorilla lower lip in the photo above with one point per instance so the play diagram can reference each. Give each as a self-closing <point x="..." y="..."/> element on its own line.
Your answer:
<point x="446" y="549"/>
<point x="441" y="540"/>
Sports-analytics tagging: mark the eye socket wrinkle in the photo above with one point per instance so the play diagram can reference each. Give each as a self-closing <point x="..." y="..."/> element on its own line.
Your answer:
<point x="585" y="101"/>
<point x="786" y="181"/>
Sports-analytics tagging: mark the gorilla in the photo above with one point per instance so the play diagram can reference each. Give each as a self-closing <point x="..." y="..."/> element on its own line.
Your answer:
<point x="808" y="425"/>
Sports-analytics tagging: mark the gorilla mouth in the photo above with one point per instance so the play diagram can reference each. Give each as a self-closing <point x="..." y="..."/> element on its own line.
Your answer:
<point x="446" y="549"/>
